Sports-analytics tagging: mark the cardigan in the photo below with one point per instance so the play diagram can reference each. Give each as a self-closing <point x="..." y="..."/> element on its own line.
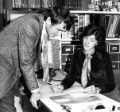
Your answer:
<point x="101" y="74"/>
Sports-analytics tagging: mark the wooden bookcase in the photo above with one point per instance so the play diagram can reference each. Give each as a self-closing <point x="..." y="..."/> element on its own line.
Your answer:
<point x="17" y="8"/>
<point x="113" y="43"/>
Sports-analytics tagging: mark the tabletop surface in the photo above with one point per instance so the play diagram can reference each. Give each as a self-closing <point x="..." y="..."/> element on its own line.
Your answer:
<point x="77" y="100"/>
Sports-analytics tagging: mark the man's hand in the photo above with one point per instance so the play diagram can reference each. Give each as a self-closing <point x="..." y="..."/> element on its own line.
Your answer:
<point x="58" y="88"/>
<point x="92" y="89"/>
<point x="35" y="97"/>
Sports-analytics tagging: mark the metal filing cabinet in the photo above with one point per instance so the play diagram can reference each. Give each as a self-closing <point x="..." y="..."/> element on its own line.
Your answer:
<point x="67" y="51"/>
<point x="113" y="47"/>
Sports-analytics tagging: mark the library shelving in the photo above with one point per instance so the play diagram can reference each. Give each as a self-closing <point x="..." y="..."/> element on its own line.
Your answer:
<point x="113" y="42"/>
<point x="79" y="9"/>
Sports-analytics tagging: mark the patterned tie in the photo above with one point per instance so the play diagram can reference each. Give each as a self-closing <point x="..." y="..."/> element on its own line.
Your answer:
<point x="44" y="54"/>
<point x="86" y="70"/>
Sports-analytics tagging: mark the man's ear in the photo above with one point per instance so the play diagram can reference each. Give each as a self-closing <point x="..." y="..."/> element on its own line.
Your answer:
<point x="48" y="20"/>
<point x="96" y="43"/>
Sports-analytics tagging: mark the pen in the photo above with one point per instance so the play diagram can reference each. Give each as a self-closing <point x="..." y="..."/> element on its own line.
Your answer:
<point x="52" y="84"/>
<point x="66" y="107"/>
<point x="113" y="108"/>
<point x="49" y="83"/>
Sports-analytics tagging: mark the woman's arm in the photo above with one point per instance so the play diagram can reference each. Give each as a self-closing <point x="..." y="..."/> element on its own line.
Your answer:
<point x="103" y="78"/>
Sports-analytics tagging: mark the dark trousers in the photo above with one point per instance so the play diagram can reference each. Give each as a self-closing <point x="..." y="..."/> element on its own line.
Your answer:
<point x="7" y="103"/>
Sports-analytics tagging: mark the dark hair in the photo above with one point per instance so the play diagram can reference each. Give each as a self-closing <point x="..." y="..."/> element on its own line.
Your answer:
<point x="59" y="14"/>
<point x="99" y="33"/>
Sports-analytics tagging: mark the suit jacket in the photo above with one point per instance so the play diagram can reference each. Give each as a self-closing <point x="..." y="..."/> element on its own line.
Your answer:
<point x="101" y="74"/>
<point x="19" y="51"/>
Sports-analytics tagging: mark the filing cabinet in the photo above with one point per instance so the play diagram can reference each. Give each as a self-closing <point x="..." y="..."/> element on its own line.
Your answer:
<point x="66" y="58"/>
<point x="113" y="47"/>
<point x="114" y="56"/>
<point x="115" y="65"/>
<point x="67" y="50"/>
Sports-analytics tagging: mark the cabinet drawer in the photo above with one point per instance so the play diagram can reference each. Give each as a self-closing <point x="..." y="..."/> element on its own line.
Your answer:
<point x="114" y="48"/>
<point x="66" y="58"/>
<point x="114" y="56"/>
<point x="115" y="65"/>
<point x="67" y="49"/>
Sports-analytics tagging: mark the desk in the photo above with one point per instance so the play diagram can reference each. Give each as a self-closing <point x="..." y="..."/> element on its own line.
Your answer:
<point x="78" y="101"/>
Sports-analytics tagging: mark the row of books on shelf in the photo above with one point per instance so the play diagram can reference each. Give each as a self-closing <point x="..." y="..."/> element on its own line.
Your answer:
<point x="33" y="3"/>
<point x="108" y="5"/>
<point x="113" y="27"/>
<point x="72" y="4"/>
<point x="45" y="3"/>
<point x="111" y="24"/>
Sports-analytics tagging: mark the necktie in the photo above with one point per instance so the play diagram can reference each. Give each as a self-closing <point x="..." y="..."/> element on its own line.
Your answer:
<point x="44" y="54"/>
<point x="86" y="71"/>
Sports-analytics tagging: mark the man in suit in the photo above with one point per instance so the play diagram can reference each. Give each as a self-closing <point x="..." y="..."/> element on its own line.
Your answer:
<point x="20" y="48"/>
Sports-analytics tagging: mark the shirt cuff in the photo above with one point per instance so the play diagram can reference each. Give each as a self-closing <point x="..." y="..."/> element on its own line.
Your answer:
<point x="35" y="90"/>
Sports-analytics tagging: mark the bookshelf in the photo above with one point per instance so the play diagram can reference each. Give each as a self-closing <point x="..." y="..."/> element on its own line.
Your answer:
<point x="113" y="42"/>
<point x="28" y="4"/>
<point x="80" y="10"/>
<point x="94" y="12"/>
<point x="68" y="45"/>
<point x="113" y="47"/>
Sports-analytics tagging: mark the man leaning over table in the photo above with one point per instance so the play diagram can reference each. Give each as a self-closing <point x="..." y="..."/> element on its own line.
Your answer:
<point x="21" y="44"/>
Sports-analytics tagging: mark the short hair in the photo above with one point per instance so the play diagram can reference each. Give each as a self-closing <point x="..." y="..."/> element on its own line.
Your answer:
<point x="99" y="33"/>
<point x="59" y="14"/>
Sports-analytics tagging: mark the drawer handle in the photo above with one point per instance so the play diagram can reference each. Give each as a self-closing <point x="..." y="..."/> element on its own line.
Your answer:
<point x="114" y="48"/>
<point x="68" y="49"/>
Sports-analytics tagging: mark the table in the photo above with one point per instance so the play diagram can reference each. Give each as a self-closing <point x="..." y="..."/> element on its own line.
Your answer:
<point x="79" y="101"/>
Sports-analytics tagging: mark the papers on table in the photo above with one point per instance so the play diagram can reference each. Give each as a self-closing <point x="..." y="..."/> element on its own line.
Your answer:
<point x="74" y="98"/>
<point x="77" y="100"/>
